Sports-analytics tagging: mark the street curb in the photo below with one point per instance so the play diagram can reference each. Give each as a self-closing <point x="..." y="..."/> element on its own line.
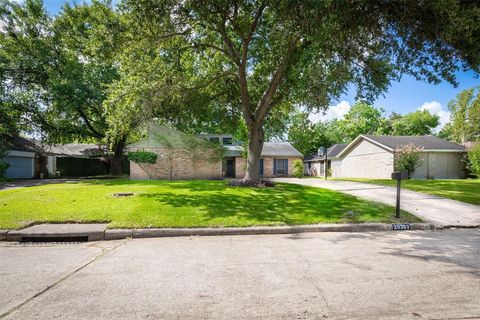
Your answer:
<point x="117" y="234"/>
<point x="186" y="232"/>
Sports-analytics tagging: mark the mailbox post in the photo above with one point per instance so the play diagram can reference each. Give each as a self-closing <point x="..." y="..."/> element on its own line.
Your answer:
<point x="322" y="152"/>
<point x="399" y="176"/>
<point x="326" y="166"/>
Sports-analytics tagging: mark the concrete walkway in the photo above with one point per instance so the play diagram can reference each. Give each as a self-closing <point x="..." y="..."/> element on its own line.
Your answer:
<point x="432" y="209"/>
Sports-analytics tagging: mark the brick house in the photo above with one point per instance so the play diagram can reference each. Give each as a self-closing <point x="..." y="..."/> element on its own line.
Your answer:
<point x="182" y="156"/>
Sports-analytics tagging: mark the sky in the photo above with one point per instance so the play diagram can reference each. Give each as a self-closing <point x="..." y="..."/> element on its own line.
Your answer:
<point x="408" y="95"/>
<point x="402" y="97"/>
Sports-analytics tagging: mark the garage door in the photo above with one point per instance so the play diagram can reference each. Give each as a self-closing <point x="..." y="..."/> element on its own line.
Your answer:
<point x="20" y="167"/>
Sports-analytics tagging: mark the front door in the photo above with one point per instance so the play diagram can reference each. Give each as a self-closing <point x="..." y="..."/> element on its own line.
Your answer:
<point x="230" y="164"/>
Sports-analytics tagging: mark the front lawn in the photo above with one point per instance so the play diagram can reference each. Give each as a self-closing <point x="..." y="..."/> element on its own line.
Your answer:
<point x="466" y="190"/>
<point x="185" y="204"/>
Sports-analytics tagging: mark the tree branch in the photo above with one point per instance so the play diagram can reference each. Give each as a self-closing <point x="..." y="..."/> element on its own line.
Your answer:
<point x="265" y="102"/>
<point x="257" y="18"/>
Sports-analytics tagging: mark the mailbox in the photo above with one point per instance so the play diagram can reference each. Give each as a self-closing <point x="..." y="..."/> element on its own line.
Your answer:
<point x="400" y="175"/>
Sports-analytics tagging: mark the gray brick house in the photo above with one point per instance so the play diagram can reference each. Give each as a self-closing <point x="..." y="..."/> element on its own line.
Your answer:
<point x="176" y="158"/>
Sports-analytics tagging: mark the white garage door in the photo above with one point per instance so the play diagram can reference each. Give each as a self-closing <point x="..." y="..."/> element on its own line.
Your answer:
<point x="20" y="167"/>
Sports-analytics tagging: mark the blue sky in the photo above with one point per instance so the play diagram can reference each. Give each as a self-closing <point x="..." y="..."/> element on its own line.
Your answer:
<point x="402" y="97"/>
<point x="409" y="95"/>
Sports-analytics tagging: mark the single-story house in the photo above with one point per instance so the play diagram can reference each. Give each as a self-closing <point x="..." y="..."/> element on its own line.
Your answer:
<point x="26" y="159"/>
<point x="372" y="156"/>
<point x="29" y="158"/>
<point x="182" y="156"/>
<point x="314" y="165"/>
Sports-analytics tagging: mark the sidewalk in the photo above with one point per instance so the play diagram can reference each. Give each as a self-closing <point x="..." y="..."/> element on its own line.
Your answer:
<point x="432" y="209"/>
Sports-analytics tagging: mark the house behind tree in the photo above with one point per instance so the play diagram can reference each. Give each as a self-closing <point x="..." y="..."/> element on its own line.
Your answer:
<point x="183" y="156"/>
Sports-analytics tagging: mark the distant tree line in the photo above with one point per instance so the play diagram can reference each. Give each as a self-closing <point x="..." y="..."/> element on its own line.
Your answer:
<point x="362" y="118"/>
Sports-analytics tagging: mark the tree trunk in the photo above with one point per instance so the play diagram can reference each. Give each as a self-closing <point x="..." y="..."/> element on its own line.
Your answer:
<point x="255" y="146"/>
<point x="117" y="158"/>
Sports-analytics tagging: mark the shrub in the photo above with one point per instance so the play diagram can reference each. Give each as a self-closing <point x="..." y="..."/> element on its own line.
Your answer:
<point x="474" y="160"/>
<point x="254" y="184"/>
<point x="142" y="157"/>
<point x="407" y="158"/>
<point x="329" y="172"/>
<point x="298" y="168"/>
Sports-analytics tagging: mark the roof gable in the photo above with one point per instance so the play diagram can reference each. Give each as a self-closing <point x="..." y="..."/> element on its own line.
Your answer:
<point x="164" y="137"/>
<point x="392" y="143"/>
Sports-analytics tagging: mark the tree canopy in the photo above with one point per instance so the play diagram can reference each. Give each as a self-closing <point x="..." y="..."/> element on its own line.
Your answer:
<point x="307" y="52"/>
<point x="465" y="116"/>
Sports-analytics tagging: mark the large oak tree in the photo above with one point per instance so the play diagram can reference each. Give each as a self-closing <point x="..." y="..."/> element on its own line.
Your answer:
<point x="308" y="52"/>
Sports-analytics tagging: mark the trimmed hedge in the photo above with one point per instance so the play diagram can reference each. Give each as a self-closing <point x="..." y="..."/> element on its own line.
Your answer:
<point x="142" y="157"/>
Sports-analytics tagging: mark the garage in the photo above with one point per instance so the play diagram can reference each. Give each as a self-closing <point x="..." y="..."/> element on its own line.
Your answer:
<point x="21" y="165"/>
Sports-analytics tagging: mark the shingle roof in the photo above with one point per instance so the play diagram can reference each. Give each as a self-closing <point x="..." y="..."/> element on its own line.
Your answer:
<point x="77" y="150"/>
<point x="280" y="149"/>
<point x="24" y="144"/>
<point x="271" y="149"/>
<point x="161" y="135"/>
<point x="164" y="137"/>
<point x="332" y="152"/>
<point x="425" y="142"/>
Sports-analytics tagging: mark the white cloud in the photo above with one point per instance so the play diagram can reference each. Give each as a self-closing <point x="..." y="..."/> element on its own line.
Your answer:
<point x="435" y="107"/>
<point x="334" y="112"/>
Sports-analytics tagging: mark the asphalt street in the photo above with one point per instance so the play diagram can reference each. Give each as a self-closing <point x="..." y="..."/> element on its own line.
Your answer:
<point x="382" y="275"/>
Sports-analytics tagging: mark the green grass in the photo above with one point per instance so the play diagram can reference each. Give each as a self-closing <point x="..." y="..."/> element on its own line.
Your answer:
<point x="466" y="190"/>
<point x="184" y="204"/>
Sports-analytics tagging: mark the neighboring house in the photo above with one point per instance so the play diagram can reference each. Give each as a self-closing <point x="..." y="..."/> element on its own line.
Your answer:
<point x="28" y="159"/>
<point x="277" y="160"/>
<point x="177" y="158"/>
<point x="370" y="156"/>
<point x="314" y="165"/>
<point x="76" y="159"/>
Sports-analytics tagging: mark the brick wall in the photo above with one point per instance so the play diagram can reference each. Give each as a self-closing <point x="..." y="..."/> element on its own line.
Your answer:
<point x="240" y="166"/>
<point x="176" y="164"/>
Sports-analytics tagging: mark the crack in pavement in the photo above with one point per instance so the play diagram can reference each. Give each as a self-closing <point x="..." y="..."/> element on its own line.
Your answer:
<point x="314" y="277"/>
<point x="99" y="256"/>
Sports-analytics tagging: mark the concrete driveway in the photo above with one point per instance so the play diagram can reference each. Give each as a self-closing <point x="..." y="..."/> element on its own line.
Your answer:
<point x="405" y="275"/>
<point x="433" y="209"/>
<point x="33" y="183"/>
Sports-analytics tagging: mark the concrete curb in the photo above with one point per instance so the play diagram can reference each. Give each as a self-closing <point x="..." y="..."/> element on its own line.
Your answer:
<point x="111" y="234"/>
<point x="117" y="234"/>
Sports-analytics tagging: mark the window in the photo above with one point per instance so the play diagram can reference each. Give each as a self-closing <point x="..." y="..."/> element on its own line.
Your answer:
<point x="227" y="140"/>
<point x="214" y="139"/>
<point x="261" y="167"/>
<point x="281" y="166"/>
